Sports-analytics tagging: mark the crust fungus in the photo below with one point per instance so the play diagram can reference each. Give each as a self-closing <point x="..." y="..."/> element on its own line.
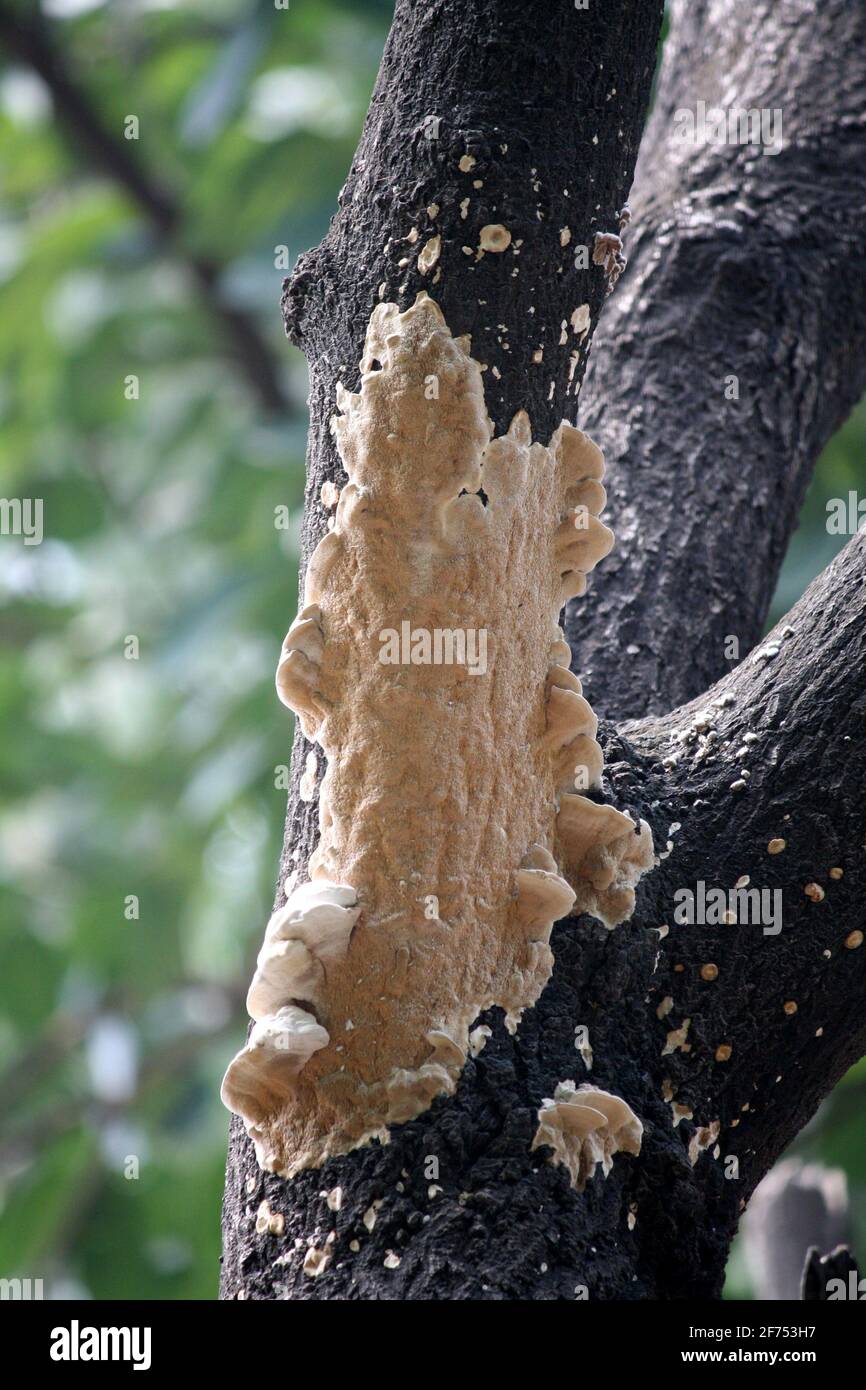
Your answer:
<point x="429" y="254"/>
<point x="454" y="829"/>
<point x="703" y="1138"/>
<point x="318" y="1258"/>
<point x="494" y="237"/>
<point x="585" y="1126"/>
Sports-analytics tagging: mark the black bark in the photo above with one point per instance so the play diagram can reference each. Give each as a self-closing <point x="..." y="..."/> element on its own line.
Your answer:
<point x="496" y="1221"/>
<point x="740" y="263"/>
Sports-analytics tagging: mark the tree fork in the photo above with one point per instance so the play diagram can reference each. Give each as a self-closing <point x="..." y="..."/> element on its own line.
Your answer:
<point x="493" y="115"/>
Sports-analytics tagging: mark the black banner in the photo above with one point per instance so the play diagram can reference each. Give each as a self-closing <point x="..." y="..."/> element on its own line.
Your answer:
<point x="63" y="1339"/>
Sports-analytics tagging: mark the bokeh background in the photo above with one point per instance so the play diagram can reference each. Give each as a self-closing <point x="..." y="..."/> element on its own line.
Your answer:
<point x="148" y="396"/>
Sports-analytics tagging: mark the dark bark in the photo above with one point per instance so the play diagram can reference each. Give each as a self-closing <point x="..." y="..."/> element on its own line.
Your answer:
<point x="525" y="90"/>
<point x="739" y="263"/>
<point x="804" y="774"/>
<point x="506" y="1224"/>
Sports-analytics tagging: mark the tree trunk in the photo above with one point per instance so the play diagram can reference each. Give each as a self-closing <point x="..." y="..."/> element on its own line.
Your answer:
<point x="549" y="104"/>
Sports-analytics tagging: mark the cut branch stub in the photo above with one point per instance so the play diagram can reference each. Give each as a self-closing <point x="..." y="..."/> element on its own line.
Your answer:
<point x="428" y="663"/>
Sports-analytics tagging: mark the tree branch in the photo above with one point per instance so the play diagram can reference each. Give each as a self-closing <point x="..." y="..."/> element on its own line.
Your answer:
<point x="527" y="117"/>
<point x="741" y="263"/>
<point x="772" y="756"/>
<point x="721" y="1038"/>
<point x="31" y="42"/>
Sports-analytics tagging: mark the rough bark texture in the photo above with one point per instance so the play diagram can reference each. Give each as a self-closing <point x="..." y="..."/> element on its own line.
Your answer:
<point x="740" y="263"/>
<point x="494" y="1219"/>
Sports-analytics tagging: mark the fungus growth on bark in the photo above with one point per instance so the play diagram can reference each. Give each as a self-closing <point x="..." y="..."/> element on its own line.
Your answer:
<point x="585" y="1126"/>
<point x="454" y="796"/>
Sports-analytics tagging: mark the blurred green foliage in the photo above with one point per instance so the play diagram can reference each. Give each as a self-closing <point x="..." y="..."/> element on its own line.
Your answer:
<point x="152" y="777"/>
<point x="155" y="778"/>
